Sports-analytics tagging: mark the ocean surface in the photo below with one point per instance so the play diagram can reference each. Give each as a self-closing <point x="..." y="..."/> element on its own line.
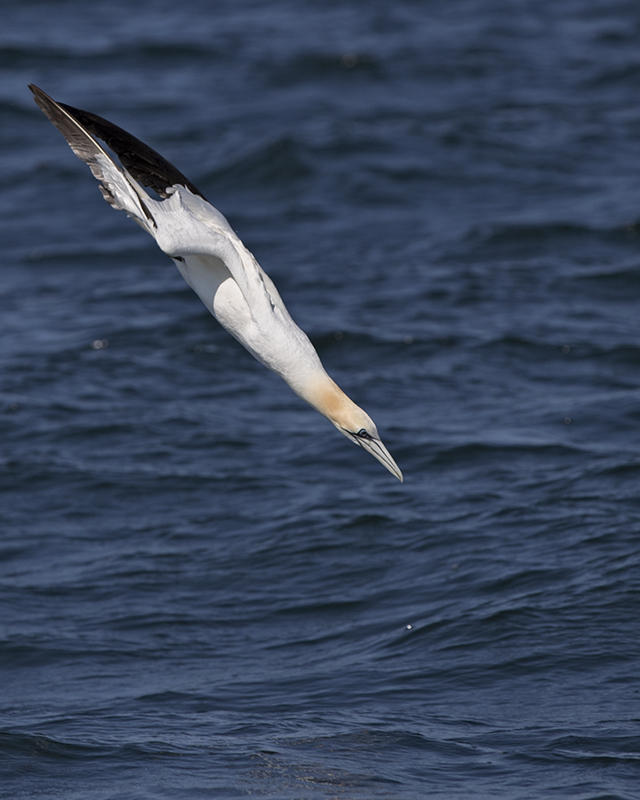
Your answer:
<point x="206" y="591"/>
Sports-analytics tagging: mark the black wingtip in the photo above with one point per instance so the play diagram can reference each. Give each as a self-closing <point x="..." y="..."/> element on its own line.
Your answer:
<point x="143" y="163"/>
<point x="42" y="99"/>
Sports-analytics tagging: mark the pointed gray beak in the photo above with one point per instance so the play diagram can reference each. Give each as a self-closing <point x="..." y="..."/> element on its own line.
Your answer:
<point x="380" y="452"/>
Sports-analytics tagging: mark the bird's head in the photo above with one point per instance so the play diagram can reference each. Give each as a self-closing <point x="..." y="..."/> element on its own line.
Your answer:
<point x="358" y="426"/>
<point x="352" y="422"/>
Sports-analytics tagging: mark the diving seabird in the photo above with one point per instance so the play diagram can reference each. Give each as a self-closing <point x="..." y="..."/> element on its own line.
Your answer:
<point x="213" y="261"/>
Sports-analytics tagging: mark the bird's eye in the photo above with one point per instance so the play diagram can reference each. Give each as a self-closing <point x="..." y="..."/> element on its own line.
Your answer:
<point x="363" y="434"/>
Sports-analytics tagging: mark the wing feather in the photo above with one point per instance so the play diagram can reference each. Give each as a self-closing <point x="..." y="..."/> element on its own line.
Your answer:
<point x="117" y="186"/>
<point x="146" y="165"/>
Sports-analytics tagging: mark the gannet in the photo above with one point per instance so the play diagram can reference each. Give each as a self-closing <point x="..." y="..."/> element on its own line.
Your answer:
<point x="213" y="261"/>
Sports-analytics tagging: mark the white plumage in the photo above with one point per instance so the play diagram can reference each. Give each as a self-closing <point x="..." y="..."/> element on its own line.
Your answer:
<point x="213" y="261"/>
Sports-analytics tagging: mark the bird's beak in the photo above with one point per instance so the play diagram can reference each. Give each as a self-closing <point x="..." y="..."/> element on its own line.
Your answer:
<point x="379" y="451"/>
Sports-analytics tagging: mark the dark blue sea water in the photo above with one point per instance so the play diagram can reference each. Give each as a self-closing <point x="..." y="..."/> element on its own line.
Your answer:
<point x="205" y="591"/>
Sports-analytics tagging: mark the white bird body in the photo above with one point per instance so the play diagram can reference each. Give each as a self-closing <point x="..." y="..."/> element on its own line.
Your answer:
<point x="216" y="268"/>
<point x="214" y="263"/>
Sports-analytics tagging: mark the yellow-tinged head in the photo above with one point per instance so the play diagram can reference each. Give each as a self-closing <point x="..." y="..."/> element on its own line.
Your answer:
<point x="354" y="423"/>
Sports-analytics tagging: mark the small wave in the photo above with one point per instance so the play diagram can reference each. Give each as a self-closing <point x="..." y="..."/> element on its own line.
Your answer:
<point x="611" y="76"/>
<point x="603" y="749"/>
<point x="186" y="700"/>
<point x="472" y="452"/>
<point x="280" y="159"/>
<point x="536" y="233"/>
<point x="610" y="284"/>
<point x="367" y="522"/>
<point x="548" y="349"/>
<point x="38" y="745"/>
<point x="377" y="740"/>
<point x="75" y="50"/>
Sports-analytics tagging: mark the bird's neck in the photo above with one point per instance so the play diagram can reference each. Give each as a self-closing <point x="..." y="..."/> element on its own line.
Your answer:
<point x="324" y="394"/>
